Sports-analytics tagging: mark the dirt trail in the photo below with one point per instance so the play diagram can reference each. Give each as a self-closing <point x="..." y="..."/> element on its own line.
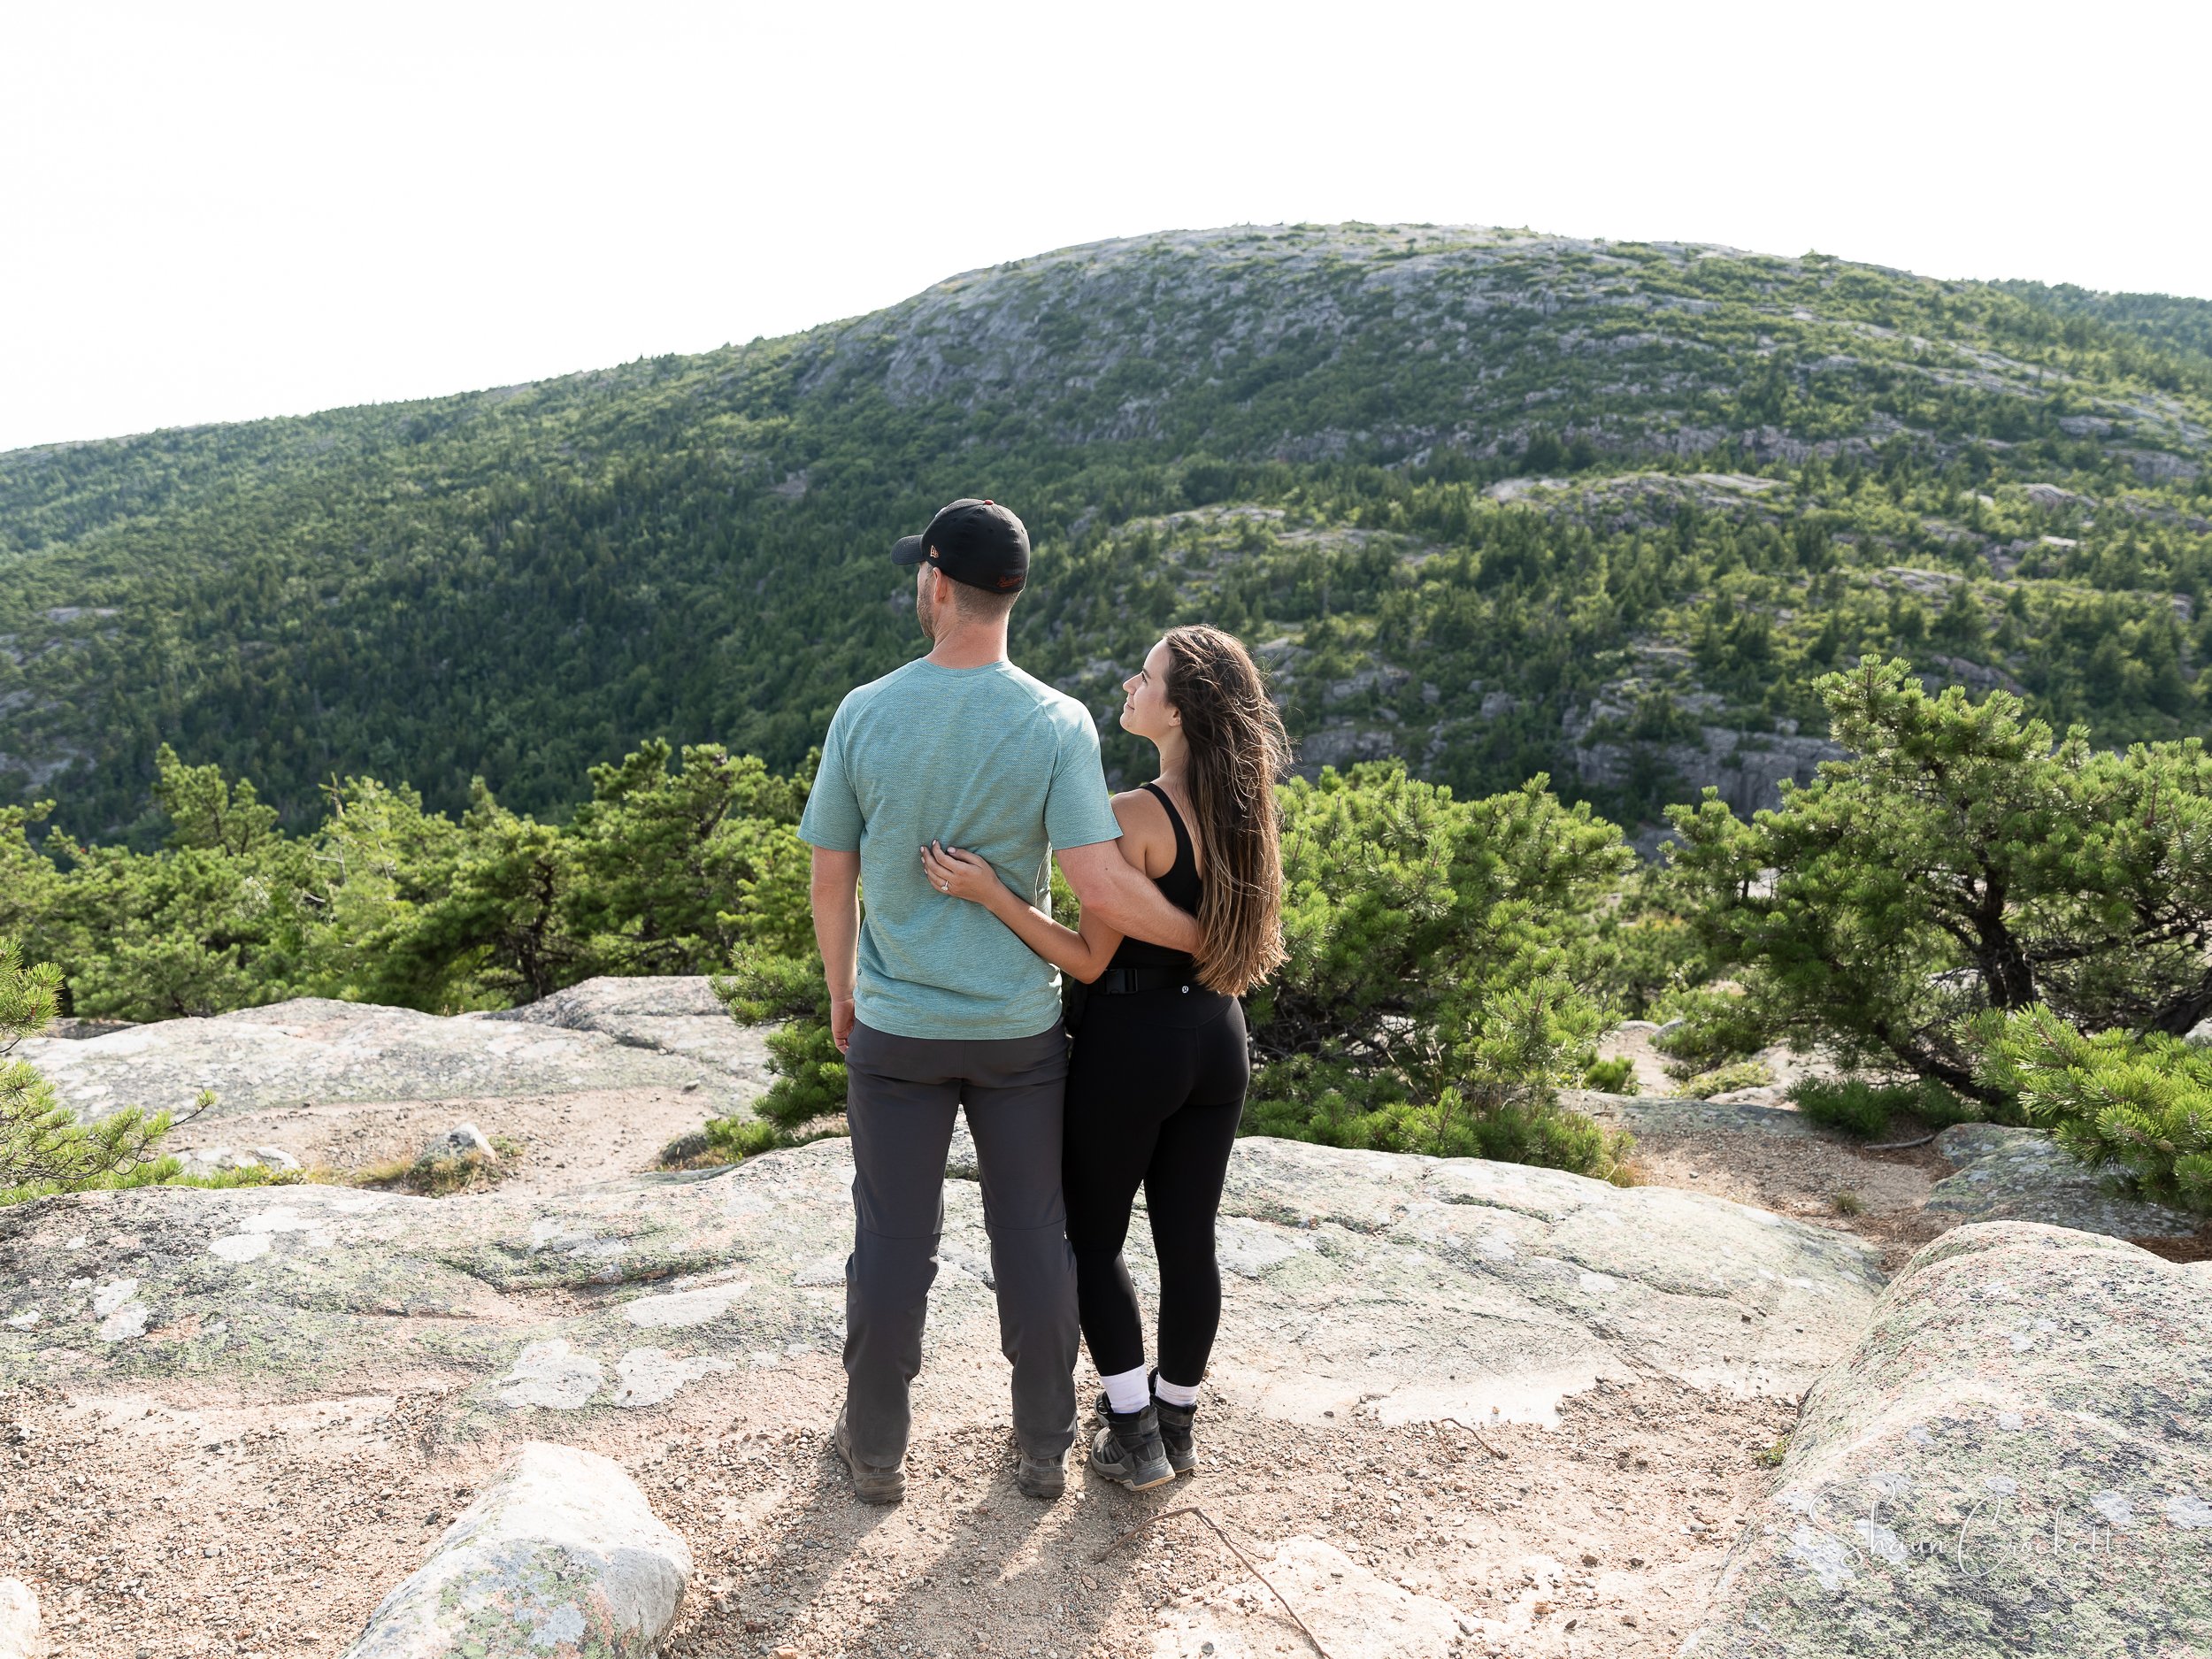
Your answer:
<point x="163" y="1528"/>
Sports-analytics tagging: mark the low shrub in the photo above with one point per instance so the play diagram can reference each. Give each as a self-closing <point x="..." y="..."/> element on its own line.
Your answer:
<point x="441" y="1174"/>
<point x="1724" y="1078"/>
<point x="1873" y="1111"/>
<point x="44" y="1148"/>
<point x="769" y="986"/>
<point x="1343" y="1111"/>
<point x="1709" y="1029"/>
<point x="1611" y="1077"/>
<point x="733" y="1140"/>
<point x="2138" y="1106"/>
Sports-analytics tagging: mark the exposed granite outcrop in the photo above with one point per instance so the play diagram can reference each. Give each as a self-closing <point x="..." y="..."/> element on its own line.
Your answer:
<point x="2012" y="1460"/>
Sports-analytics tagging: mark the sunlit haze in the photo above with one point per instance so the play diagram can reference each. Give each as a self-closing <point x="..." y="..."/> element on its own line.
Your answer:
<point x="217" y="213"/>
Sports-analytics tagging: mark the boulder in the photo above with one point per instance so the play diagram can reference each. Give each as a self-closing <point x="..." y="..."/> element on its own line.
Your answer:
<point x="18" y="1620"/>
<point x="221" y="1160"/>
<point x="315" y="1050"/>
<point x="2007" y="1174"/>
<point x="2012" y="1460"/>
<point x="561" y="1558"/>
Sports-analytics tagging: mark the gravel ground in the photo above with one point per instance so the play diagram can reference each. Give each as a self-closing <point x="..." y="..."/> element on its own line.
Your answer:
<point x="157" y="1529"/>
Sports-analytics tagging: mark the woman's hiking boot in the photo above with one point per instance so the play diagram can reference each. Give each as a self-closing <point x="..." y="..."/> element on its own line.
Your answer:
<point x="1129" y="1450"/>
<point x="1175" y="1432"/>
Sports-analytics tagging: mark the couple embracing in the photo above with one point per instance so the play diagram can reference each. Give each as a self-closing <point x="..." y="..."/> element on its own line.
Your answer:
<point x="946" y="791"/>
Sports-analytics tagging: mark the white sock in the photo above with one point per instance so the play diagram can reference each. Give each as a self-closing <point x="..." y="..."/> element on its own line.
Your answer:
<point x="1174" y="1394"/>
<point x="1126" y="1391"/>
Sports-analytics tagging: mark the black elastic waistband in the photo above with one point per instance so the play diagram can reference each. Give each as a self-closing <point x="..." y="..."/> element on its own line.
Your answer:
<point x="1123" y="982"/>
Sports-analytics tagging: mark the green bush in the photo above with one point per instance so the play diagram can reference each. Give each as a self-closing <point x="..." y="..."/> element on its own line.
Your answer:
<point x="1436" y="996"/>
<point x="1709" y="1029"/>
<point x="662" y="870"/>
<point x="1958" y="860"/>
<point x="1725" y="1079"/>
<point x="43" y="1147"/>
<point x="1611" y="1077"/>
<point x="2137" y="1104"/>
<point x="1870" y="1111"/>
<point x="785" y="989"/>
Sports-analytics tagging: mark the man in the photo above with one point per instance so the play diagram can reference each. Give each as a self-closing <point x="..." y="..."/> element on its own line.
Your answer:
<point x="936" y="1004"/>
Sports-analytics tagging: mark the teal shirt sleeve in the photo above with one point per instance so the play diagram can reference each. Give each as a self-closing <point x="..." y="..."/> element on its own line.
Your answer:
<point x="833" y="819"/>
<point x="1079" y="812"/>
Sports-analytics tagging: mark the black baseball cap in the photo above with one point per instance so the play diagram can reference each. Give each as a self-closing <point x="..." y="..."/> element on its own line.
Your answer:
<point x="977" y="542"/>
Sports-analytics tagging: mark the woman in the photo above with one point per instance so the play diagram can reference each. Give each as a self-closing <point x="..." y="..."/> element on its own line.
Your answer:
<point x="1155" y="1086"/>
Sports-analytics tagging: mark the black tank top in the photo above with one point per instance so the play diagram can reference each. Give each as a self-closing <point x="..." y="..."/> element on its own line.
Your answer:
<point x="1180" y="887"/>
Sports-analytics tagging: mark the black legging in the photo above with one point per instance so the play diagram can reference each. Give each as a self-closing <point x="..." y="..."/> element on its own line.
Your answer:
<point x="1155" y="1091"/>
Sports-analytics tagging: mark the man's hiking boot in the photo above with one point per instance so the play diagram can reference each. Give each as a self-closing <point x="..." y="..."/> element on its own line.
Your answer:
<point x="1128" y="1450"/>
<point x="873" y="1483"/>
<point x="1045" y="1478"/>
<point x="1175" y="1431"/>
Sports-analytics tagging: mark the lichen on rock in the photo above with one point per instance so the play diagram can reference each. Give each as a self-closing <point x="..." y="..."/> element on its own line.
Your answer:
<point x="562" y="1557"/>
<point x="2012" y="1459"/>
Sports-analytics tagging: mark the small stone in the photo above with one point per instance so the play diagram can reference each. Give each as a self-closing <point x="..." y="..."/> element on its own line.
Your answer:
<point x="463" y="1139"/>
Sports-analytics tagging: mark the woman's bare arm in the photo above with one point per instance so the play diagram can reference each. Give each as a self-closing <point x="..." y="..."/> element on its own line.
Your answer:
<point x="964" y="875"/>
<point x="1086" y="954"/>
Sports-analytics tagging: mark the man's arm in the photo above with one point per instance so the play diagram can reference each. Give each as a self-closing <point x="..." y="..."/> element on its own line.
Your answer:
<point x="1122" y="896"/>
<point x="835" y="891"/>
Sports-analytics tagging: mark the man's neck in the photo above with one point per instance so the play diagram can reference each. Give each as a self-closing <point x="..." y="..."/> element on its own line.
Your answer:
<point x="970" y="645"/>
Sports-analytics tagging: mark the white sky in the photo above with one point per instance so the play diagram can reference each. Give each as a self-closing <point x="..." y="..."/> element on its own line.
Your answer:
<point x="215" y="212"/>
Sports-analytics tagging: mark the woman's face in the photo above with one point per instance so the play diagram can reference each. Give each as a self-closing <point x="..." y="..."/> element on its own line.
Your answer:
<point x="1147" y="711"/>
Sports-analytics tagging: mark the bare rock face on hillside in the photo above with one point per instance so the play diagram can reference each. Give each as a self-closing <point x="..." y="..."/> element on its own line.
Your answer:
<point x="2012" y="1460"/>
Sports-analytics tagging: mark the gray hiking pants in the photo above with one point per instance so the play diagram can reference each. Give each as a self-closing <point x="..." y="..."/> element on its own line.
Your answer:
<point x="901" y="1093"/>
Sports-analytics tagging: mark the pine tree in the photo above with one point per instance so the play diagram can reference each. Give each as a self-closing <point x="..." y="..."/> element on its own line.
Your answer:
<point x="43" y="1147"/>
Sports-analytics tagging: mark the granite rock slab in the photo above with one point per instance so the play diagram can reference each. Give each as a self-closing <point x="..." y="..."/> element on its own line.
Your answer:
<point x="1407" y="1288"/>
<point x="668" y="1014"/>
<point x="313" y="1051"/>
<point x="2009" y="1174"/>
<point x="2014" y="1459"/>
<point x="18" y="1620"/>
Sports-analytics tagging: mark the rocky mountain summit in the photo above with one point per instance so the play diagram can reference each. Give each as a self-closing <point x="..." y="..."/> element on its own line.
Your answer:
<point x="1459" y="1408"/>
<point x="1602" y="508"/>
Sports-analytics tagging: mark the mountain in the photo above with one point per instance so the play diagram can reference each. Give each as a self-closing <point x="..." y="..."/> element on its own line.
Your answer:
<point x="1496" y="502"/>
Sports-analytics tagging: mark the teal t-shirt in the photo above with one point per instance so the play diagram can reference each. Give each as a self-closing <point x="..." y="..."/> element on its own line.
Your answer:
<point x="985" y="759"/>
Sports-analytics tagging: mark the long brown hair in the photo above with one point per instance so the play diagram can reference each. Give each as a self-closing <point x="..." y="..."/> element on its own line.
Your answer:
<point x="1238" y="751"/>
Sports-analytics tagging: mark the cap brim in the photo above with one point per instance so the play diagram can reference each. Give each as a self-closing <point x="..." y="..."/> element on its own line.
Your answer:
<point x="909" y="549"/>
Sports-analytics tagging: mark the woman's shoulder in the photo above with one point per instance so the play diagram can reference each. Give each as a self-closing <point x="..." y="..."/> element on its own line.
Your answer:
<point x="1145" y="829"/>
<point x="1138" y="805"/>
